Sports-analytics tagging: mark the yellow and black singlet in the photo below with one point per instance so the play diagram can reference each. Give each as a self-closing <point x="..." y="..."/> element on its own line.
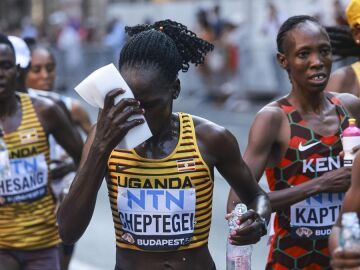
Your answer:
<point x="161" y="204"/>
<point x="27" y="218"/>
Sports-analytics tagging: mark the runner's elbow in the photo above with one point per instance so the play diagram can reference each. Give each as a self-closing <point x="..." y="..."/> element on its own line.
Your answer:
<point x="67" y="234"/>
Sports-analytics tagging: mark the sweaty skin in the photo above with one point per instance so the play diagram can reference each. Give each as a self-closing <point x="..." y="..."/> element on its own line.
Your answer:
<point x="218" y="148"/>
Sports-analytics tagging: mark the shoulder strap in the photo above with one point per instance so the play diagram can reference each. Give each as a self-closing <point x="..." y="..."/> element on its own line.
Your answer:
<point x="343" y="113"/>
<point x="292" y="114"/>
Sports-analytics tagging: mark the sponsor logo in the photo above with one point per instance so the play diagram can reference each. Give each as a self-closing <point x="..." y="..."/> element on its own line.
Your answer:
<point x="323" y="232"/>
<point x="302" y="231"/>
<point x="120" y="168"/>
<point x="186" y="165"/>
<point x="128" y="238"/>
<point x="306" y="147"/>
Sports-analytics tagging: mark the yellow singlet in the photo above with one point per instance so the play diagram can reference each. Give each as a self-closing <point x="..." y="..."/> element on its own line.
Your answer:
<point x="161" y="204"/>
<point x="27" y="218"/>
<point x="356" y="68"/>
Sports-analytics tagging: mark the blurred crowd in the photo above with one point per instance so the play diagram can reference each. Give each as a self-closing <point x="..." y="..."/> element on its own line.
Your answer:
<point x="226" y="70"/>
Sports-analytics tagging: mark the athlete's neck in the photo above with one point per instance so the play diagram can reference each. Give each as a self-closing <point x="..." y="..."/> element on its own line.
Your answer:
<point x="162" y="143"/>
<point x="168" y="130"/>
<point x="8" y="106"/>
<point x="308" y="101"/>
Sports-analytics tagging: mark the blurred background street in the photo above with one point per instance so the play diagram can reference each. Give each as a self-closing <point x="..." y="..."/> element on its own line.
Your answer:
<point x="239" y="77"/>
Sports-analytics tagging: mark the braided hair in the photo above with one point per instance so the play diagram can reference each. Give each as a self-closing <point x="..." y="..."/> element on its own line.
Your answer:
<point x="167" y="44"/>
<point x="342" y="41"/>
<point x="290" y="24"/>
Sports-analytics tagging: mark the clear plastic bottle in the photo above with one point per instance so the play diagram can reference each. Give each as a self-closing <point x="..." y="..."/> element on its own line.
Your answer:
<point x="350" y="139"/>
<point x="350" y="232"/>
<point x="5" y="170"/>
<point x="237" y="257"/>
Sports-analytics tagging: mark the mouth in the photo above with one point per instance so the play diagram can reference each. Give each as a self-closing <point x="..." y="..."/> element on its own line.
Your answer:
<point x="318" y="79"/>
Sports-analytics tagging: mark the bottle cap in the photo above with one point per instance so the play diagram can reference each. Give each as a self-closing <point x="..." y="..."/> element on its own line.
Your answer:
<point x="352" y="121"/>
<point x="240" y="209"/>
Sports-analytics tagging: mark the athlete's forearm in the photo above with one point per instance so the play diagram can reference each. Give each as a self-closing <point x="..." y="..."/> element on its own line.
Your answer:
<point x="284" y="198"/>
<point x="78" y="206"/>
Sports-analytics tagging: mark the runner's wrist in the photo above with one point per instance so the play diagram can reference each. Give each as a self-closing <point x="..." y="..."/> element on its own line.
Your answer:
<point x="98" y="152"/>
<point x="318" y="186"/>
<point x="100" y="149"/>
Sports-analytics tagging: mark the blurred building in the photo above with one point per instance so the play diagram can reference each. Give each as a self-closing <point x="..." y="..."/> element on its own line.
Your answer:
<point x="11" y="13"/>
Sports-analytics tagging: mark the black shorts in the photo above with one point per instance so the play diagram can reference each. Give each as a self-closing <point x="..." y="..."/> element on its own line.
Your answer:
<point x="44" y="259"/>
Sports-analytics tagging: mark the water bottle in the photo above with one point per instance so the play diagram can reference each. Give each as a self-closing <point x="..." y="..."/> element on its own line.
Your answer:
<point x="350" y="232"/>
<point x="350" y="139"/>
<point x="5" y="170"/>
<point x="237" y="257"/>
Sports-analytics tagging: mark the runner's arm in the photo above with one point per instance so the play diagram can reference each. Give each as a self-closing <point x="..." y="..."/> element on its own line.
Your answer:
<point x="76" y="210"/>
<point x="351" y="203"/>
<point x="233" y="168"/>
<point x="352" y="104"/>
<point x="337" y="81"/>
<point x="229" y="163"/>
<point x="57" y="123"/>
<point x="264" y="140"/>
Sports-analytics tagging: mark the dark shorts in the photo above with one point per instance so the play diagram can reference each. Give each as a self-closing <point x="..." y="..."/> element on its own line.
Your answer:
<point x="42" y="259"/>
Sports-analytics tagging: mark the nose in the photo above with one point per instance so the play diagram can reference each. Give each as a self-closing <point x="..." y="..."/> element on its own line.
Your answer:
<point x="316" y="61"/>
<point x="44" y="73"/>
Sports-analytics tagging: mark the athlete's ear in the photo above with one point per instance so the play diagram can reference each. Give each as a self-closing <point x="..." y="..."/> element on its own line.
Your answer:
<point x="176" y="88"/>
<point x="355" y="31"/>
<point x="282" y="60"/>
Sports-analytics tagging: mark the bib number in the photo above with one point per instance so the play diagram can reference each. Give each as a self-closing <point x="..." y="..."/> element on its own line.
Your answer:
<point x="314" y="217"/>
<point x="27" y="180"/>
<point x="157" y="219"/>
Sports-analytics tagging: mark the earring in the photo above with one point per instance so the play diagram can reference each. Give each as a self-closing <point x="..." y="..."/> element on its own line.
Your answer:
<point x="175" y="95"/>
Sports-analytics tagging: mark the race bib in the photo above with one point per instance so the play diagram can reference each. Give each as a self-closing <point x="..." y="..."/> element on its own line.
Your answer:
<point x="157" y="219"/>
<point x="314" y="217"/>
<point x="27" y="180"/>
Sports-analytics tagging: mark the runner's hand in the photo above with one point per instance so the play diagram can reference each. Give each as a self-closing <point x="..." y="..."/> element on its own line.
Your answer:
<point x="336" y="181"/>
<point x="342" y="259"/>
<point x="251" y="229"/>
<point x="113" y="123"/>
